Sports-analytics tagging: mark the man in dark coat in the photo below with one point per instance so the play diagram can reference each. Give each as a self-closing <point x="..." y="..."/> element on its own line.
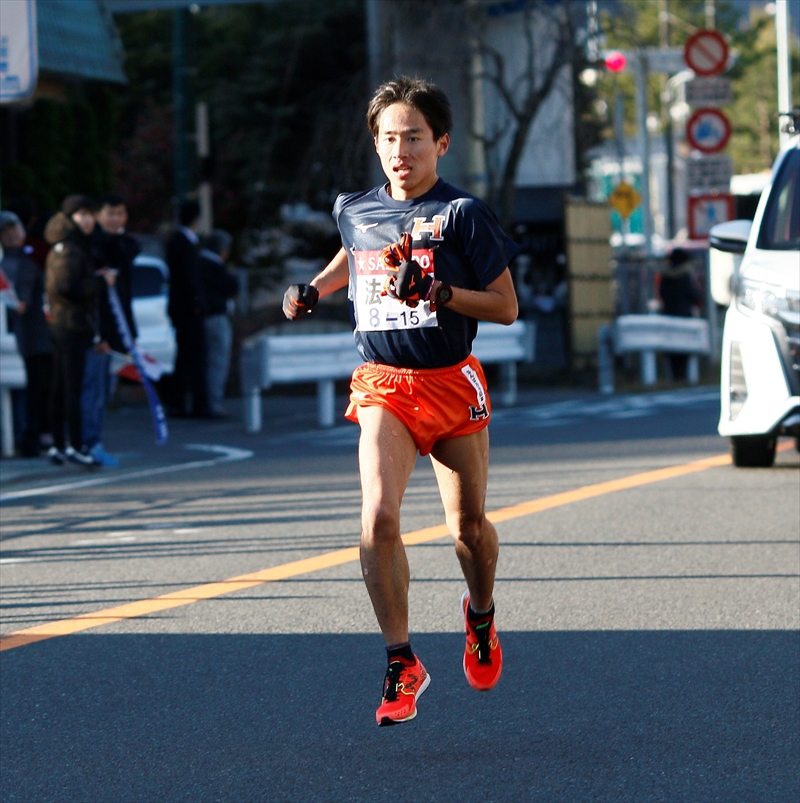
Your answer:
<point x="112" y="248"/>
<point x="218" y="287"/>
<point x="679" y="295"/>
<point x="72" y="285"/>
<point x="30" y="328"/>
<point x="186" y="311"/>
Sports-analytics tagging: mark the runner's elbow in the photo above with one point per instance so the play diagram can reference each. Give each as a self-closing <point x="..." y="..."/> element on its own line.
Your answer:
<point x="508" y="313"/>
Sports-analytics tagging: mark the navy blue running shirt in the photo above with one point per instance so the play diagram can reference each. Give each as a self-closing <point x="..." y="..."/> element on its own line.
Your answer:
<point x="455" y="236"/>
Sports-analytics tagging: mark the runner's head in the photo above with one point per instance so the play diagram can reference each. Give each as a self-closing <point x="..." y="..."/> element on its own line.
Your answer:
<point x="421" y="95"/>
<point x="410" y="120"/>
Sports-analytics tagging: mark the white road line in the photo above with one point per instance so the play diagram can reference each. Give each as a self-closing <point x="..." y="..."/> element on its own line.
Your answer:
<point x="228" y="454"/>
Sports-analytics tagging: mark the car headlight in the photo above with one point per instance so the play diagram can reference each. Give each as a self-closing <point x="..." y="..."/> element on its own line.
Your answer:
<point x="767" y="299"/>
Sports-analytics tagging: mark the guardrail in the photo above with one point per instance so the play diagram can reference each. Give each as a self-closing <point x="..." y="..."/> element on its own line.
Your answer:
<point x="12" y="377"/>
<point x="271" y="359"/>
<point x="648" y="335"/>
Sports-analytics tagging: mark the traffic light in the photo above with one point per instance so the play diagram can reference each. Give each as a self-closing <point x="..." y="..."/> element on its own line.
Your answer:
<point x="615" y="61"/>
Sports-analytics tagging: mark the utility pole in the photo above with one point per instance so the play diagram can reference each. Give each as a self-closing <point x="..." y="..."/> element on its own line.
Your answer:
<point x="666" y="120"/>
<point x="710" y="15"/>
<point x="203" y="156"/>
<point x="179" y="99"/>
<point x="784" y="75"/>
<point x="640" y="74"/>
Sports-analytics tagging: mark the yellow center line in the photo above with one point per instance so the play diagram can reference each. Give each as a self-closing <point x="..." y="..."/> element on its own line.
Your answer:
<point x="187" y="596"/>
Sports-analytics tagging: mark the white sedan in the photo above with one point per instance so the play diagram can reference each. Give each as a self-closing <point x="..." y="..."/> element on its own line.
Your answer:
<point x="150" y="295"/>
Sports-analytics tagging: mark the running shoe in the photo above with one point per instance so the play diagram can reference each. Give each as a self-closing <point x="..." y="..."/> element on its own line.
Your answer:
<point x="80" y="459"/>
<point x="402" y="686"/>
<point x="483" y="656"/>
<point x="55" y="456"/>
<point x="102" y="457"/>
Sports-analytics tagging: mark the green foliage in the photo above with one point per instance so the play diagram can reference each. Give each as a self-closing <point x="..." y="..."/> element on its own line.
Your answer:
<point x="63" y="146"/>
<point x="272" y="75"/>
<point x="754" y="112"/>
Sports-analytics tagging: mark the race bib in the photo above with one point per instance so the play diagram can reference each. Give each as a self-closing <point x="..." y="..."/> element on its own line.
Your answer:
<point x="375" y="312"/>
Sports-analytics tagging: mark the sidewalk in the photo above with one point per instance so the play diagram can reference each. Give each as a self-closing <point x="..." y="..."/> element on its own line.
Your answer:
<point x="129" y="434"/>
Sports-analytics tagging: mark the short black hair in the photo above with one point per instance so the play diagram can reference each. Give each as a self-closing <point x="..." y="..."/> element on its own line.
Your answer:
<point x="189" y="212"/>
<point x="110" y="199"/>
<point x="74" y="203"/>
<point x="421" y="95"/>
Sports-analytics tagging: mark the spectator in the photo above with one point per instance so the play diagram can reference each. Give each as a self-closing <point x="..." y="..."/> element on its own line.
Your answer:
<point x="185" y="311"/>
<point x="679" y="294"/>
<point x="115" y="249"/>
<point x="31" y="330"/>
<point x="218" y="286"/>
<point x="28" y="213"/>
<point x="72" y="286"/>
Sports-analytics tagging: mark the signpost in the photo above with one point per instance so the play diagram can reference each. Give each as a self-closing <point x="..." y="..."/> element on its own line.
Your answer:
<point x="711" y="92"/>
<point x="707" y="133"/>
<point x="624" y="199"/>
<point x="710" y="174"/>
<point x="19" y="59"/>
<point x="706" y="52"/>
<point x="708" y="130"/>
<point x="706" y="211"/>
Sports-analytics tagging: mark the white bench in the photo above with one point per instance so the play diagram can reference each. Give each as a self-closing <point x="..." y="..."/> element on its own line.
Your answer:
<point x="12" y="377"/>
<point x="269" y="359"/>
<point x="649" y="334"/>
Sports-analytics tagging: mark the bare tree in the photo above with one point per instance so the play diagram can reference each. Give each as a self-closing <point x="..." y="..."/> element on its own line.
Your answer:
<point x="522" y="81"/>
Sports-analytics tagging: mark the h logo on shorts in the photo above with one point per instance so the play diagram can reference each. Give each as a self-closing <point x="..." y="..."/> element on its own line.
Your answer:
<point x="478" y="411"/>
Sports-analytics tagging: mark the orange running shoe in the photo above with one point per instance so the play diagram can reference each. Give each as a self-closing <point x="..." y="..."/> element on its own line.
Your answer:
<point x="402" y="685"/>
<point x="483" y="656"/>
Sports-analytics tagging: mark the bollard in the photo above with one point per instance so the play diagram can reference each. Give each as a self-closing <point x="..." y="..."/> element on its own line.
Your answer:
<point x="326" y="402"/>
<point x="508" y="384"/>
<point x="605" y="359"/>
<point x="693" y="369"/>
<point x="649" y="373"/>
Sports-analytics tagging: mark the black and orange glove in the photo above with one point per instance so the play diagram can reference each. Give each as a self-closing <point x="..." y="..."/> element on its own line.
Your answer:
<point x="299" y="299"/>
<point x="406" y="280"/>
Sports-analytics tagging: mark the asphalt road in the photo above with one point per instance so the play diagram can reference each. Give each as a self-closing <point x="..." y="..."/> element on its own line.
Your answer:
<point x="648" y="599"/>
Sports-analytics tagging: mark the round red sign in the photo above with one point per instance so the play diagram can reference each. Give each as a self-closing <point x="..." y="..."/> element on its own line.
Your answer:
<point x="706" y="52"/>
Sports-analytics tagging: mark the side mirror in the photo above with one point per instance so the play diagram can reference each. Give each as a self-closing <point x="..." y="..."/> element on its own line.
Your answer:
<point x="730" y="237"/>
<point x="728" y="242"/>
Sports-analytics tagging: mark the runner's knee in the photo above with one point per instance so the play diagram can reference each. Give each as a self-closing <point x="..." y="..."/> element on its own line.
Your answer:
<point x="468" y="528"/>
<point x="380" y="522"/>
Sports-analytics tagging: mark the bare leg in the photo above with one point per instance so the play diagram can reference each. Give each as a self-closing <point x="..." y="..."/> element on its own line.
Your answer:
<point x="462" y="467"/>
<point x="386" y="455"/>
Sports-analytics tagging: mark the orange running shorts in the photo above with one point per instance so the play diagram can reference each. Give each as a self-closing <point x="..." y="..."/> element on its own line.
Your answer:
<point x="433" y="403"/>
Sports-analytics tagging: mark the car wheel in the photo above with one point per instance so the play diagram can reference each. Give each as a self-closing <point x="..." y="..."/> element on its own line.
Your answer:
<point x="753" y="451"/>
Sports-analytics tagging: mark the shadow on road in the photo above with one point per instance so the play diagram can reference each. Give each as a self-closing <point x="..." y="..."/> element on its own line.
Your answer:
<point x="578" y="716"/>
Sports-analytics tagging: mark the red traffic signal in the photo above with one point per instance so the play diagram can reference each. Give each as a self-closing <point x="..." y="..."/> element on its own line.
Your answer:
<point x="616" y="61"/>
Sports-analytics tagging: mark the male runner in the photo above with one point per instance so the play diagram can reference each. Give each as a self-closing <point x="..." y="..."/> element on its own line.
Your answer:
<point x="424" y="262"/>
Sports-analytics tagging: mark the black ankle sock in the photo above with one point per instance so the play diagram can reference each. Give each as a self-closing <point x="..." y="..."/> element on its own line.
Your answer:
<point x="474" y="616"/>
<point x="403" y="651"/>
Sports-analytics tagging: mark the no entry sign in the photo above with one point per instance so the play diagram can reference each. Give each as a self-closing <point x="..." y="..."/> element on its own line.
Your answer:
<point x="706" y="52"/>
<point x="708" y="130"/>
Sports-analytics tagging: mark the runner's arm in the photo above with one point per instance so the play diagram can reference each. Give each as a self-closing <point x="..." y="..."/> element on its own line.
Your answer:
<point x="334" y="276"/>
<point x="497" y="302"/>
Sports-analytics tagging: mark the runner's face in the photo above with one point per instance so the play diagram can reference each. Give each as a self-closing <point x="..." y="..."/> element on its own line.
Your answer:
<point x="408" y="151"/>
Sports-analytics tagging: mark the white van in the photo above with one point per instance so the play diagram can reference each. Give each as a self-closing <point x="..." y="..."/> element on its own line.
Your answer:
<point x="755" y="271"/>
